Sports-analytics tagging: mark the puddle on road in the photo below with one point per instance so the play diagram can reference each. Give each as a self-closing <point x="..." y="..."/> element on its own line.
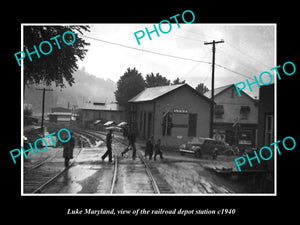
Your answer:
<point x="98" y="143"/>
<point x="80" y="172"/>
<point x="91" y="155"/>
<point x="88" y="174"/>
<point x="74" y="179"/>
<point x="77" y="174"/>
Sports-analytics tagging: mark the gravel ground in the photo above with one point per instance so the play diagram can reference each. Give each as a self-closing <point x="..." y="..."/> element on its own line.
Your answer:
<point x="189" y="175"/>
<point x="189" y="178"/>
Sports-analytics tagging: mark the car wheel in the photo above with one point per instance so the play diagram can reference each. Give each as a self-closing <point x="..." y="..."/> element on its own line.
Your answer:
<point x="215" y="154"/>
<point x="198" y="154"/>
<point x="181" y="153"/>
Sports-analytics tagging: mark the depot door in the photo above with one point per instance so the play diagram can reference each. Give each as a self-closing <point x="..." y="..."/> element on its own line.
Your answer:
<point x="192" y="129"/>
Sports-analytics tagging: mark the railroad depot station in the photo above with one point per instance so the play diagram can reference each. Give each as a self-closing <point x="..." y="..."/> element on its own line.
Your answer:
<point x="174" y="114"/>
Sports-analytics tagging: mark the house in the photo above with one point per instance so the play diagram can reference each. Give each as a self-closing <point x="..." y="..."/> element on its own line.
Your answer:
<point x="235" y="117"/>
<point x="175" y="114"/>
<point x="91" y="114"/>
<point x="60" y="114"/>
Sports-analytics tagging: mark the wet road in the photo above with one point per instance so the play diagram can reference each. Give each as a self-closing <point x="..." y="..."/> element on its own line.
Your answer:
<point x="87" y="175"/>
<point x="90" y="175"/>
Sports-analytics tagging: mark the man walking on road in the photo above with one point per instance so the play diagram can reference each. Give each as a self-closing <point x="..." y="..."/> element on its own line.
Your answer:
<point x="108" y="145"/>
<point x="131" y="139"/>
<point x="68" y="150"/>
<point x="149" y="147"/>
<point x="157" y="150"/>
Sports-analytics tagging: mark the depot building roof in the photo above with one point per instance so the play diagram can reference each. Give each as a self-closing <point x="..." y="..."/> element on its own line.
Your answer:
<point x="150" y="94"/>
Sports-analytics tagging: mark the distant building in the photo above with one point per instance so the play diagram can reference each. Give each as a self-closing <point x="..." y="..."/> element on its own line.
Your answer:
<point x="92" y="113"/>
<point x="235" y="117"/>
<point x="174" y="114"/>
<point x="60" y="114"/>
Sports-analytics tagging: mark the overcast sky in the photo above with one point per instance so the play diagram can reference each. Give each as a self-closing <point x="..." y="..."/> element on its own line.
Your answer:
<point x="248" y="49"/>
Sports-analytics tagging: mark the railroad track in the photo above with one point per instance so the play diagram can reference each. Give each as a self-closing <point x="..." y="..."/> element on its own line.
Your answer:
<point x="44" y="172"/>
<point x="124" y="176"/>
<point x="41" y="175"/>
<point x="130" y="176"/>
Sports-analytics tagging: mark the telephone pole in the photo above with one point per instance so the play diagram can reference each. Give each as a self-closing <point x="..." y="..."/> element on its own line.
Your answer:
<point x="43" y="104"/>
<point x="213" y="43"/>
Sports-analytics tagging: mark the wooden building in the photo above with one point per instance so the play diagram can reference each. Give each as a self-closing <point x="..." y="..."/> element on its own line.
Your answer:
<point x="91" y="113"/>
<point x="174" y="114"/>
<point x="60" y="114"/>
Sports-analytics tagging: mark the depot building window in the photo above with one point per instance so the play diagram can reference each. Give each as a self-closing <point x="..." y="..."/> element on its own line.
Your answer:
<point x="192" y="128"/>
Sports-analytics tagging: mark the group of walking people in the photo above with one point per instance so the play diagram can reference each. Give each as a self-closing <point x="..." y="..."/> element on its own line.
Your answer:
<point x="150" y="147"/>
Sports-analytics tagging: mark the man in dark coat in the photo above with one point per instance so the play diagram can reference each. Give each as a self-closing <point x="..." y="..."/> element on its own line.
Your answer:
<point x="149" y="148"/>
<point x="157" y="150"/>
<point x="131" y="140"/>
<point x="68" y="150"/>
<point x="108" y="145"/>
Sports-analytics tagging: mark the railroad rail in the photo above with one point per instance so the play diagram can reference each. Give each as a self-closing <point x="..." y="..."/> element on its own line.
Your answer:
<point x="44" y="172"/>
<point x="123" y="176"/>
<point x="114" y="183"/>
<point x="40" y="163"/>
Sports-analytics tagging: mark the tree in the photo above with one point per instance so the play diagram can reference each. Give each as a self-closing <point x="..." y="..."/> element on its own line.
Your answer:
<point x="60" y="63"/>
<point x="177" y="81"/>
<point x="128" y="86"/>
<point x="157" y="80"/>
<point x="202" y="88"/>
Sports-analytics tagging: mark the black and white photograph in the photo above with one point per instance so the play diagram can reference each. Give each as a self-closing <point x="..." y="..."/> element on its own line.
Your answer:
<point x="165" y="116"/>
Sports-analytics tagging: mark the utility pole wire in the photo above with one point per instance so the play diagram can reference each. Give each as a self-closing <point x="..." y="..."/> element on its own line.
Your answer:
<point x="233" y="46"/>
<point x="225" y="68"/>
<point x="163" y="54"/>
<point x="157" y="53"/>
<point x="246" y="54"/>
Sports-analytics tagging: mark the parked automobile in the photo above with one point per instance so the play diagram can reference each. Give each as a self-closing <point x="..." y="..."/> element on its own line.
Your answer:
<point x="205" y="146"/>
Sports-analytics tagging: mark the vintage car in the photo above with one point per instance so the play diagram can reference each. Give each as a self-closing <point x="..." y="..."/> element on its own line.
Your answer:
<point x="205" y="146"/>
